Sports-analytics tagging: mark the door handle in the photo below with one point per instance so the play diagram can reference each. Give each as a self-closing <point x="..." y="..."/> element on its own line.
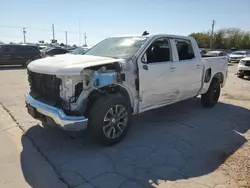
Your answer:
<point x="173" y="69"/>
<point x="145" y="67"/>
<point x="197" y="66"/>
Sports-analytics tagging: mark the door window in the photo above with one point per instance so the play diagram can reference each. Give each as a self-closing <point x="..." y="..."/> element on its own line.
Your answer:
<point x="24" y="49"/>
<point x="8" y="49"/>
<point x="158" y="51"/>
<point x="185" y="49"/>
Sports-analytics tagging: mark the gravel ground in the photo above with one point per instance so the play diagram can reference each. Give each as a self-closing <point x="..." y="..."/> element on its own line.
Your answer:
<point x="182" y="145"/>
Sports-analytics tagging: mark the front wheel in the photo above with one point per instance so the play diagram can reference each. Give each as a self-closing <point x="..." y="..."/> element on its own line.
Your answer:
<point x="240" y="75"/>
<point x="211" y="97"/>
<point x="109" y="119"/>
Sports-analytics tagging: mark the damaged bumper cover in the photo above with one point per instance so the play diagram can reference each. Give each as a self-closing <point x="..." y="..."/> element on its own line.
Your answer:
<point x="71" y="123"/>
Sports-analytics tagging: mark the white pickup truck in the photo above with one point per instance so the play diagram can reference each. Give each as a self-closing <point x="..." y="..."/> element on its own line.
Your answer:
<point x="118" y="77"/>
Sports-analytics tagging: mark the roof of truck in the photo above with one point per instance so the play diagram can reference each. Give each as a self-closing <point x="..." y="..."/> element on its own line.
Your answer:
<point x="155" y="35"/>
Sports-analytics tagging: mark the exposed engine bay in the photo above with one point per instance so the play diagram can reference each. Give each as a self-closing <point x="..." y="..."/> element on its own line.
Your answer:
<point x="77" y="91"/>
<point x="74" y="90"/>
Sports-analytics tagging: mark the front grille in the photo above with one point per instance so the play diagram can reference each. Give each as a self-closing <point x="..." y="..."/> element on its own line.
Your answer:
<point x="247" y="63"/>
<point x="45" y="87"/>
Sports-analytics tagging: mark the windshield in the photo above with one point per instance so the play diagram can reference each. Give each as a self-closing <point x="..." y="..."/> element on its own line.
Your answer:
<point x="239" y="53"/>
<point x="118" y="47"/>
<point x="78" y="51"/>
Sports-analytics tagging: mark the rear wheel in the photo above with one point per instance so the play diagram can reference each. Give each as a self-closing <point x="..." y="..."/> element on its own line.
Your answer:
<point x="211" y="97"/>
<point x="109" y="119"/>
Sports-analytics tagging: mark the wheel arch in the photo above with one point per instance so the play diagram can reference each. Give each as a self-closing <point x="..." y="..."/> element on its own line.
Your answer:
<point x="110" y="89"/>
<point x="219" y="77"/>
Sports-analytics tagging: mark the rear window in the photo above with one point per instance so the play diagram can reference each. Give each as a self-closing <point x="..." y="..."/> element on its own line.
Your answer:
<point x="26" y="49"/>
<point x="185" y="49"/>
<point x="7" y="49"/>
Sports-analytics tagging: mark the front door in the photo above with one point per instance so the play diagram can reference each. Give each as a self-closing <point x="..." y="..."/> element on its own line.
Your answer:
<point x="157" y="75"/>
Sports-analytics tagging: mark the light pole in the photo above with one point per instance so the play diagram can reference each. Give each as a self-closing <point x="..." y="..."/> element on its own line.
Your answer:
<point x="212" y="35"/>
<point x="79" y="33"/>
<point x="53" y="31"/>
<point x="66" y="37"/>
<point x="85" y="39"/>
<point x="24" y="35"/>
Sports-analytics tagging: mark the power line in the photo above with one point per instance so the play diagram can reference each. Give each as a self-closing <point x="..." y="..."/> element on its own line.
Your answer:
<point x="39" y="29"/>
<point x="24" y="31"/>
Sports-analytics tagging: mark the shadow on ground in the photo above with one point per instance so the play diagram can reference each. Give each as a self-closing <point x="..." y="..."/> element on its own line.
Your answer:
<point x="180" y="141"/>
<point x="246" y="78"/>
<point x="12" y="67"/>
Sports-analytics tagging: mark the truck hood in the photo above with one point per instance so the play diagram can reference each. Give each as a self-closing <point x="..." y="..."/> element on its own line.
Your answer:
<point x="68" y="64"/>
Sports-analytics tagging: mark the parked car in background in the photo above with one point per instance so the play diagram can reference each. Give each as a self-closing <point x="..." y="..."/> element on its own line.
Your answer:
<point x="79" y="50"/>
<point x="244" y="67"/>
<point x="203" y="51"/>
<point x="17" y="54"/>
<point x="216" y="53"/>
<point x="42" y="47"/>
<point x="51" y="51"/>
<point x="237" y="56"/>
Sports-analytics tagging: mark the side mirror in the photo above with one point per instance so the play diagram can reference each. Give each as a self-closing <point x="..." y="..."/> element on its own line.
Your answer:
<point x="144" y="58"/>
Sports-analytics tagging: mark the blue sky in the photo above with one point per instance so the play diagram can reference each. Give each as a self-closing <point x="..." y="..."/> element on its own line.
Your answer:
<point x="104" y="18"/>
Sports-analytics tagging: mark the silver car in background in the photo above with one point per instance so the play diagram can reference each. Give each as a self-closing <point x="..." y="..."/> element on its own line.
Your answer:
<point x="237" y="56"/>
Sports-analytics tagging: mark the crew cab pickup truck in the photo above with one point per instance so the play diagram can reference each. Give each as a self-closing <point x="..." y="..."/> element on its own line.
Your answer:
<point x="119" y="77"/>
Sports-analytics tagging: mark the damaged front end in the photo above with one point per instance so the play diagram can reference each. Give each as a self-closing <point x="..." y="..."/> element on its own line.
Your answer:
<point x="65" y="100"/>
<point x="75" y="90"/>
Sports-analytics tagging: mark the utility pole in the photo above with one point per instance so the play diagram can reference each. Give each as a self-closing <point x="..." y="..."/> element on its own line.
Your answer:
<point x="53" y="30"/>
<point x="212" y="35"/>
<point x="85" y="39"/>
<point x="24" y="35"/>
<point x="79" y="33"/>
<point x="66" y="37"/>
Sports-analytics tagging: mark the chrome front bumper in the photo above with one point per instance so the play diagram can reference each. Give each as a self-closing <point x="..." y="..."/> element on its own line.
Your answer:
<point x="71" y="123"/>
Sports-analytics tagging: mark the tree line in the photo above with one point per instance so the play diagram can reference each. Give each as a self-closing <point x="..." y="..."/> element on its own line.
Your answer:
<point x="224" y="39"/>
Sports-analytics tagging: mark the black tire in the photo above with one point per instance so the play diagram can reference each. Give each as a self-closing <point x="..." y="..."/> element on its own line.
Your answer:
<point x="211" y="97"/>
<point x="98" y="113"/>
<point x="240" y="75"/>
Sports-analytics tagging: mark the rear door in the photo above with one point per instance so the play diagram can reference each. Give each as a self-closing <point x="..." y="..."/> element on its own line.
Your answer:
<point x="157" y="75"/>
<point x="6" y="51"/>
<point x="188" y="69"/>
<point x="29" y="53"/>
<point x="1" y="53"/>
<point x="17" y="55"/>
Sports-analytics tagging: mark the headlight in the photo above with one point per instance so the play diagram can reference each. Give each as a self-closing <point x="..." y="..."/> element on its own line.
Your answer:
<point x="242" y="62"/>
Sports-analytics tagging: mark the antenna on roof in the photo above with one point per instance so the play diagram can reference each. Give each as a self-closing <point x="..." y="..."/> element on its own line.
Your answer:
<point x="145" y="33"/>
